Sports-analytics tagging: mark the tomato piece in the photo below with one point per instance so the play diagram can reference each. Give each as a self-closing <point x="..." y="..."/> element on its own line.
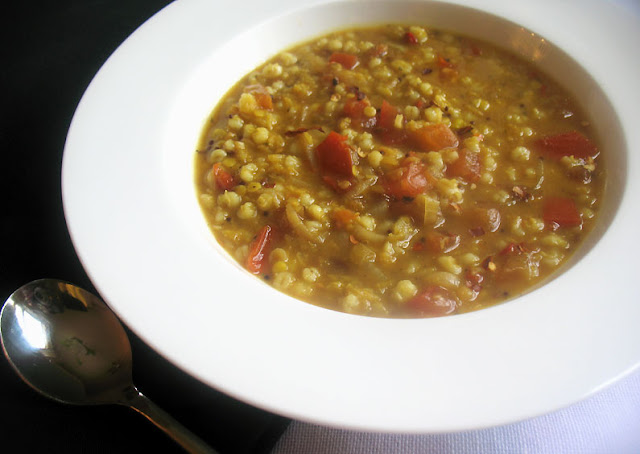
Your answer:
<point x="434" y="137"/>
<point x="344" y="217"/>
<point x="410" y="38"/>
<point x="467" y="166"/>
<point x="409" y="180"/>
<point x="393" y="137"/>
<point x="334" y="156"/>
<point x="354" y="109"/>
<point x="561" y="211"/>
<point x="434" y="301"/>
<point x="224" y="180"/>
<point x="264" y="100"/>
<point x="348" y="61"/>
<point x="570" y="143"/>
<point x="389" y="134"/>
<point x="388" y="115"/>
<point x="444" y="62"/>
<point x="261" y="95"/>
<point x="259" y="250"/>
<point x="438" y="242"/>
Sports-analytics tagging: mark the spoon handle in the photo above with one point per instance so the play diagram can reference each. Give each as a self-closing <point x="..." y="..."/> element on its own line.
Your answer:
<point x="180" y="434"/>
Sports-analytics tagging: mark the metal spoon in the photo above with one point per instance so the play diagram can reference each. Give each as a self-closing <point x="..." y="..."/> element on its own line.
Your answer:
<point x="65" y="343"/>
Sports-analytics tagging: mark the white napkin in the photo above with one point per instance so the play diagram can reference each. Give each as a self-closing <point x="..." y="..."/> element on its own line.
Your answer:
<point x="606" y="423"/>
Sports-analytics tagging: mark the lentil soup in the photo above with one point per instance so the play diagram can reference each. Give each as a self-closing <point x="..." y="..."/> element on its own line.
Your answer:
<point x="399" y="171"/>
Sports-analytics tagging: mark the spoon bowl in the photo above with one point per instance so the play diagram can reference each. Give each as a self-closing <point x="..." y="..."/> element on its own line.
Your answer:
<point x="66" y="344"/>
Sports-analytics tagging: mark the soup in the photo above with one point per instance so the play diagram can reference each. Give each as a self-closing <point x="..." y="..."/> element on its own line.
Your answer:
<point x="399" y="171"/>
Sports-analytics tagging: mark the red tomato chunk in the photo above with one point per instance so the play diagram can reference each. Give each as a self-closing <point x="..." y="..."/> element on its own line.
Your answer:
<point x="348" y="61"/>
<point x="224" y="180"/>
<point x="566" y="144"/>
<point x="387" y="115"/>
<point x="434" y="137"/>
<point x="406" y="181"/>
<point x="434" y="301"/>
<point x="467" y="166"/>
<point x="561" y="211"/>
<point x="257" y="260"/>
<point x="334" y="156"/>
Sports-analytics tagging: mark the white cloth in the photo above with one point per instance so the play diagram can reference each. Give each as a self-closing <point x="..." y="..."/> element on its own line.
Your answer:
<point x="606" y="423"/>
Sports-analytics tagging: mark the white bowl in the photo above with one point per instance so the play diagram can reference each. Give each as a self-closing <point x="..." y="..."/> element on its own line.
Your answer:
<point x="131" y="208"/>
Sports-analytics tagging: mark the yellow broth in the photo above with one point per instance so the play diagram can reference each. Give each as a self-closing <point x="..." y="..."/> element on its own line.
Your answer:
<point x="399" y="171"/>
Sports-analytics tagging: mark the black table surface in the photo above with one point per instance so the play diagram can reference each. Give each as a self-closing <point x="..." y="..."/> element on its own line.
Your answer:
<point x="50" y="51"/>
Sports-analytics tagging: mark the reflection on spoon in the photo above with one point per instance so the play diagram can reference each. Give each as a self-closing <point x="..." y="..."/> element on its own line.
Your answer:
<point x="66" y="344"/>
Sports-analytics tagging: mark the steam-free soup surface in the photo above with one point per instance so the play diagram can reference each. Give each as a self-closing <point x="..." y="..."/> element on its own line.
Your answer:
<point x="399" y="171"/>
